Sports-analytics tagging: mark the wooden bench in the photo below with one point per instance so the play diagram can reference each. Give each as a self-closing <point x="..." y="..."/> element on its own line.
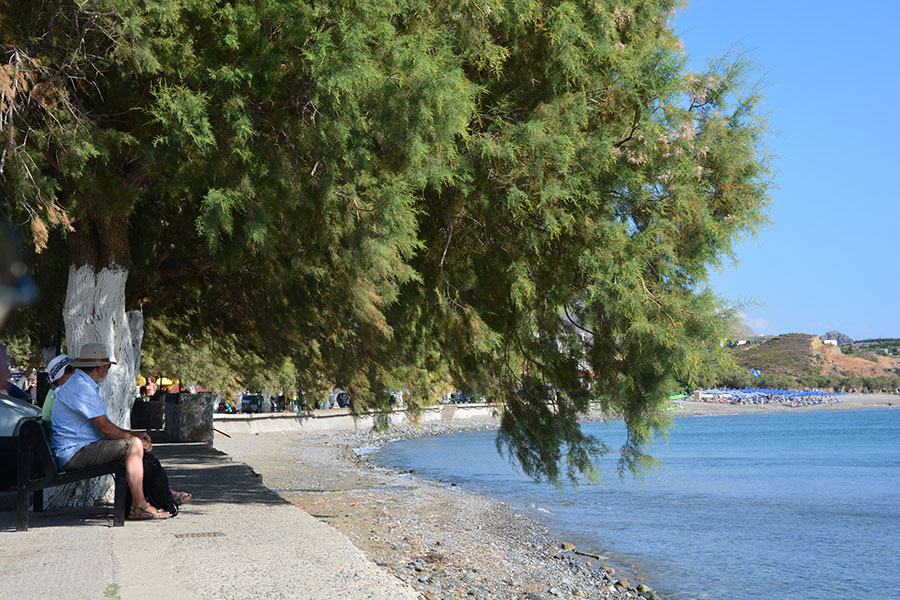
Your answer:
<point x="35" y="477"/>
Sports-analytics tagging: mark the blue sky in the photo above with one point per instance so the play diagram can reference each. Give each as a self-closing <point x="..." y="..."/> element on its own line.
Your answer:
<point x="831" y="258"/>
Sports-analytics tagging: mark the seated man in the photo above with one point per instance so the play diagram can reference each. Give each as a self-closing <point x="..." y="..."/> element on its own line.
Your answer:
<point x="84" y="436"/>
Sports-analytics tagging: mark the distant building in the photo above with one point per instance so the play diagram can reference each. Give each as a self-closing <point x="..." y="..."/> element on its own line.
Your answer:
<point x="831" y="342"/>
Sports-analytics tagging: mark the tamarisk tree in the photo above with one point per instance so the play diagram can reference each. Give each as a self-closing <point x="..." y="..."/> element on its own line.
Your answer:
<point x="523" y="197"/>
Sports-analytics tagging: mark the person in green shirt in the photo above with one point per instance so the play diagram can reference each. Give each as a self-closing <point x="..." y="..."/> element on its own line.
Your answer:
<point x="59" y="370"/>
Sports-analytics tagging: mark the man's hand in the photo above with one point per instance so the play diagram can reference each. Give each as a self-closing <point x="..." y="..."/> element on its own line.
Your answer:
<point x="110" y="431"/>
<point x="145" y="439"/>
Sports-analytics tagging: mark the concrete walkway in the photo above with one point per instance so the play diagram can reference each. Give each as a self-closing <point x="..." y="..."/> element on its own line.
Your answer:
<point x="235" y="539"/>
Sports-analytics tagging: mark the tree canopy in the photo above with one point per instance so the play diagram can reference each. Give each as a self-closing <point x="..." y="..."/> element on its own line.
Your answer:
<point x="523" y="197"/>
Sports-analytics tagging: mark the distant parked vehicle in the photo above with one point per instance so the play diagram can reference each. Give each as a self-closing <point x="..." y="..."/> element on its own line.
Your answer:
<point x="459" y="398"/>
<point x="253" y="403"/>
<point x="338" y="398"/>
<point x="13" y="413"/>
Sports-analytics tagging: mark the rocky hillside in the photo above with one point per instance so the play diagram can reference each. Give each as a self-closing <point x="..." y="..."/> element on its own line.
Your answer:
<point x="867" y="364"/>
<point x="742" y="331"/>
<point x="840" y="338"/>
<point x="798" y="354"/>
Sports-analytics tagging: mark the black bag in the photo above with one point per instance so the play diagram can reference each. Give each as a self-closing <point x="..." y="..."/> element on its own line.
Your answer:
<point x="156" y="485"/>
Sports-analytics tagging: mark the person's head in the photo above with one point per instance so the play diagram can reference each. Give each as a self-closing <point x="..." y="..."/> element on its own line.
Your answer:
<point x="94" y="361"/>
<point x="60" y="369"/>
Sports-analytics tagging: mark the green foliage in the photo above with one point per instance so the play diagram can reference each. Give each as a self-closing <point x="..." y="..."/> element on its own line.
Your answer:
<point x="217" y="362"/>
<point x="741" y="378"/>
<point x="519" y="198"/>
<point x="889" y="346"/>
<point x="21" y="352"/>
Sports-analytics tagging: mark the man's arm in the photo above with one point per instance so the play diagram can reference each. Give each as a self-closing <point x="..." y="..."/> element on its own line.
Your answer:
<point x="111" y="432"/>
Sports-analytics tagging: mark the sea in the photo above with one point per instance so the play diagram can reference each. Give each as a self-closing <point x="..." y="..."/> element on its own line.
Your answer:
<point x="801" y="505"/>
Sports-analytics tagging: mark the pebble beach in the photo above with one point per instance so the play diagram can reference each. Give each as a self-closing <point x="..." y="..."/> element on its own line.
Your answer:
<point x="444" y="543"/>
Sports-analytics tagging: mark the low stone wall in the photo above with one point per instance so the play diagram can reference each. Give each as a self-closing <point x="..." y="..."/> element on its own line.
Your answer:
<point x="338" y="418"/>
<point x="190" y="417"/>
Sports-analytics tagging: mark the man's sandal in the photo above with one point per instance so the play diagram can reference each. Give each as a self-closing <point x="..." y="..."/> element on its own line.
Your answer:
<point x="140" y="513"/>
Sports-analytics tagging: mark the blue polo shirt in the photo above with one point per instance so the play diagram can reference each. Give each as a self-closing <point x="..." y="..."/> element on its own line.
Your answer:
<point x="77" y="402"/>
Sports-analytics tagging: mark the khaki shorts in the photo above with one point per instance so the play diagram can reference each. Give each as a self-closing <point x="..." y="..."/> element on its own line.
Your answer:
<point x="99" y="452"/>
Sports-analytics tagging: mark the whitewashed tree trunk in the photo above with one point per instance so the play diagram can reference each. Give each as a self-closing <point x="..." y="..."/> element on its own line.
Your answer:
<point x="94" y="312"/>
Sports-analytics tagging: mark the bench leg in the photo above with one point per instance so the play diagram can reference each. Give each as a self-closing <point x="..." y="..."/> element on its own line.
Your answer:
<point x="22" y="502"/>
<point x="23" y="496"/>
<point x="121" y="499"/>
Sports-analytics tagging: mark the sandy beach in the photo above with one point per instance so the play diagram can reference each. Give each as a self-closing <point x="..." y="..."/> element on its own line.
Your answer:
<point x="447" y="544"/>
<point x="844" y="402"/>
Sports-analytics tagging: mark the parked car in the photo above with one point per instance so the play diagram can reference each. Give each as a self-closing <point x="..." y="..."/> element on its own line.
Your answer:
<point x="338" y="398"/>
<point x="13" y="413"/>
<point x="253" y="403"/>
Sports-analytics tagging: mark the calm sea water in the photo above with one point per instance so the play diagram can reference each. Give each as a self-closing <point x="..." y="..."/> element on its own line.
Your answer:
<point x="788" y="505"/>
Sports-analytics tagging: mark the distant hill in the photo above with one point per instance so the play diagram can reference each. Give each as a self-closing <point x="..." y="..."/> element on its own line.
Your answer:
<point x="799" y="354"/>
<point x="789" y="353"/>
<point x="840" y="338"/>
<point x="742" y="332"/>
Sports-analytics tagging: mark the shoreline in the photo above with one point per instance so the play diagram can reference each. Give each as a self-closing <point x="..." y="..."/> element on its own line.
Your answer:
<point x="447" y="544"/>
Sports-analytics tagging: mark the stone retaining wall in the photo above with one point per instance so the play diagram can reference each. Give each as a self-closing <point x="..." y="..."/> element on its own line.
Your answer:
<point x="338" y="418"/>
<point x="190" y="417"/>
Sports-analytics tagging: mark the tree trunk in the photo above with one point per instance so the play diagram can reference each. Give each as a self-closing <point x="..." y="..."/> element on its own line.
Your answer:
<point x="94" y="312"/>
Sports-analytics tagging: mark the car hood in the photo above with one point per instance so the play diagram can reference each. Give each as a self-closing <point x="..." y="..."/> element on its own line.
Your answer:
<point x="12" y="411"/>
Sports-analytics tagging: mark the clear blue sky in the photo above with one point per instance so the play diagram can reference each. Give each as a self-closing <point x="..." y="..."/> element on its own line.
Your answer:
<point x="831" y="258"/>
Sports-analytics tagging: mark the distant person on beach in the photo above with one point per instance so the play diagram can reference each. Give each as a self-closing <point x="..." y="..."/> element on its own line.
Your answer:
<point x="30" y="385"/>
<point x="151" y="386"/>
<point x="84" y="436"/>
